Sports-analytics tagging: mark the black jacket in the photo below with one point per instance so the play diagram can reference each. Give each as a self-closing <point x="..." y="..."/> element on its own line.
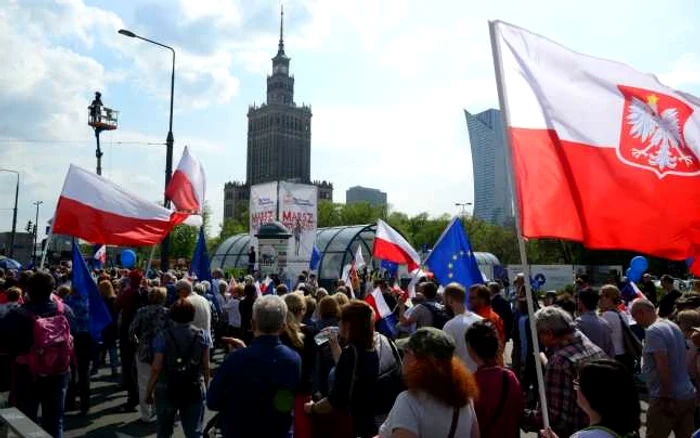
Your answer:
<point x="503" y="309"/>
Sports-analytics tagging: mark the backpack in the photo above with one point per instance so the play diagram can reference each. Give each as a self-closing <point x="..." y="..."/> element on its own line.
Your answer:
<point x="52" y="349"/>
<point x="389" y="379"/>
<point x="183" y="370"/>
<point x="440" y="316"/>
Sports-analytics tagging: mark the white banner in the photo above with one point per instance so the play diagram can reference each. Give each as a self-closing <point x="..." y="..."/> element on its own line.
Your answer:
<point x="263" y="206"/>
<point x="298" y="212"/>
<point x="556" y="277"/>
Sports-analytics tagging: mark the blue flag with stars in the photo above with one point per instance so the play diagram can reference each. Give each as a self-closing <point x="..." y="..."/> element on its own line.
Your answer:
<point x="452" y="258"/>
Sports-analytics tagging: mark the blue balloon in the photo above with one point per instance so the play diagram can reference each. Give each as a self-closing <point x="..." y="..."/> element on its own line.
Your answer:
<point x="639" y="264"/>
<point x="633" y="275"/>
<point x="128" y="258"/>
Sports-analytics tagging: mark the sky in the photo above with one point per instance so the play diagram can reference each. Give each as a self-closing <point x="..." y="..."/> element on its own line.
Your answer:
<point x="387" y="82"/>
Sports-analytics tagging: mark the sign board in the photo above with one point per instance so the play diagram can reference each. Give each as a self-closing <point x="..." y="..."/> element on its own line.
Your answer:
<point x="556" y="277"/>
<point x="298" y="211"/>
<point x="263" y="209"/>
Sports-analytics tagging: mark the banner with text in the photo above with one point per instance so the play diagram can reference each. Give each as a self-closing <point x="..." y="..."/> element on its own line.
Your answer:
<point x="263" y="207"/>
<point x="298" y="212"/>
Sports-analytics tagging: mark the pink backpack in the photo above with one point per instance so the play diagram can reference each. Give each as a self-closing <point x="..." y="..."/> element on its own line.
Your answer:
<point x="52" y="350"/>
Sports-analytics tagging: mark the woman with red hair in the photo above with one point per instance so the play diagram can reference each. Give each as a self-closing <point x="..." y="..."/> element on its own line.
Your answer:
<point x="439" y="401"/>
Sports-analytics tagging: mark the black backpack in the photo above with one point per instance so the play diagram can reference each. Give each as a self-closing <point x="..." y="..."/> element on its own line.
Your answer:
<point x="183" y="371"/>
<point x="440" y="316"/>
<point x="389" y="380"/>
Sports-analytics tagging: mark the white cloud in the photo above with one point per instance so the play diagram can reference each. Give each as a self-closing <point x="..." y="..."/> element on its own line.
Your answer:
<point x="684" y="72"/>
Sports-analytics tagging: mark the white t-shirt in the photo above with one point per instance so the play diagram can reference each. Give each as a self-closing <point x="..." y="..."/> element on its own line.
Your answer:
<point x="457" y="327"/>
<point x="202" y="312"/>
<point x="426" y="417"/>
<point x="613" y="319"/>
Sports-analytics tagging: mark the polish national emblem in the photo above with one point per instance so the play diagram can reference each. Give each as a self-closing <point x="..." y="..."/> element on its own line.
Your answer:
<point x="652" y="133"/>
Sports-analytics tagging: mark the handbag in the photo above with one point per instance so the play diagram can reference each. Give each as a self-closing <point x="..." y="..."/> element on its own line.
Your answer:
<point x="632" y="344"/>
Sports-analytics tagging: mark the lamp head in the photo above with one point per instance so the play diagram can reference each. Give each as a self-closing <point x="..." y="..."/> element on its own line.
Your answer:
<point x="128" y="33"/>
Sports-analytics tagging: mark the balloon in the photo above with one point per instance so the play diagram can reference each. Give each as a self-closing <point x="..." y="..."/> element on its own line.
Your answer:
<point x="628" y="273"/>
<point x="639" y="264"/>
<point x="128" y="258"/>
<point x="633" y="275"/>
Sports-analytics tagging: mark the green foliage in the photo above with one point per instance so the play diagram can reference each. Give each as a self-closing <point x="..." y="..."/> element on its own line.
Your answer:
<point x="183" y="240"/>
<point x="334" y="215"/>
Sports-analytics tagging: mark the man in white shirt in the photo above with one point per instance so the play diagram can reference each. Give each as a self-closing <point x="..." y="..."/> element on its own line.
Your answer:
<point x="455" y="296"/>
<point x="202" y="307"/>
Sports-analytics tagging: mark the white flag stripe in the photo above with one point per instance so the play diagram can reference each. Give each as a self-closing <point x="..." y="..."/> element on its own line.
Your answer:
<point x="359" y="260"/>
<point x="191" y="166"/>
<point x="382" y="306"/>
<point x="101" y="194"/>
<point x="550" y="86"/>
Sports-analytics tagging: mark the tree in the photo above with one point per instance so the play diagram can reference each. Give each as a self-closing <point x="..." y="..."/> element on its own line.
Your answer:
<point x="183" y="240"/>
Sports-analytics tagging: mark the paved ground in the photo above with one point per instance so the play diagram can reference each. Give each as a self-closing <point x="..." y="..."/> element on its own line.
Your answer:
<point x="105" y="420"/>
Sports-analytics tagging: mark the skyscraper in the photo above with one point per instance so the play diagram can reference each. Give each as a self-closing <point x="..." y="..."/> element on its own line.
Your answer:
<point x="279" y="138"/>
<point x="493" y="198"/>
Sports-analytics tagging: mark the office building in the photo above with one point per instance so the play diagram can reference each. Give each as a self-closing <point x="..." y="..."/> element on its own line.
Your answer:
<point x="374" y="197"/>
<point x="493" y="198"/>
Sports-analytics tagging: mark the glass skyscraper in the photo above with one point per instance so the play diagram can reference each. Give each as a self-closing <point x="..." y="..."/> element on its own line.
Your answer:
<point x="493" y="198"/>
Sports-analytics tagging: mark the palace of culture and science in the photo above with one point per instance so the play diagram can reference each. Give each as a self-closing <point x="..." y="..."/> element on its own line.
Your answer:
<point x="279" y="140"/>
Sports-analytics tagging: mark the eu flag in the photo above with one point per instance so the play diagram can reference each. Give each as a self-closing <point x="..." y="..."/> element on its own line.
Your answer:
<point x="201" y="266"/>
<point x="391" y="267"/>
<point x="452" y="258"/>
<point x="88" y="295"/>
<point x="315" y="258"/>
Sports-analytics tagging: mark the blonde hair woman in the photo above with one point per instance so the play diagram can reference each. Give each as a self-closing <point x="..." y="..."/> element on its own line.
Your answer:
<point x="610" y="299"/>
<point x="300" y="338"/>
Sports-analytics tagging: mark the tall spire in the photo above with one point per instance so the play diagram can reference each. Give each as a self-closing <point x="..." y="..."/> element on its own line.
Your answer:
<point x="281" y="43"/>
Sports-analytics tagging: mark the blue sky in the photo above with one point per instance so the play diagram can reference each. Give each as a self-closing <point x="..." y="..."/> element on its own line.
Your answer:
<point x="387" y="81"/>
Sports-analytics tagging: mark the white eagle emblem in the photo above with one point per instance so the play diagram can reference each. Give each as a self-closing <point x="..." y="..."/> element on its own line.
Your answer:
<point x="652" y="135"/>
<point x="662" y="131"/>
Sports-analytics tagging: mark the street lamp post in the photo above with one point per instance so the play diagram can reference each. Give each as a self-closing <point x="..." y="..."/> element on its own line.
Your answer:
<point x="464" y="206"/>
<point x="36" y="229"/>
<point x="169" y="141"/>
<point x="14" y="214"/>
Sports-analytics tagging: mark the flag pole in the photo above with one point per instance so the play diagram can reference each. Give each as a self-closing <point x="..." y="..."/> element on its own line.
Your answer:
<point x="505" y="117"/>
<point x="45" y="249"/>
<point x="150" y="258"/>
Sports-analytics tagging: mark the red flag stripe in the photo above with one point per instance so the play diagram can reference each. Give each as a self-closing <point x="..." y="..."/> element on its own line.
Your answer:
<point x="574" y="191"/>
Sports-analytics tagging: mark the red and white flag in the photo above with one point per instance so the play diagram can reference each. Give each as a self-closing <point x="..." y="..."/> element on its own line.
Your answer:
<point x="188" y="184"/>
<point x="602" y="154"/>
<point x="97" y="210"/>
<point x="390" y="245"/>
<point x="378" y="303"/>
<point x="101" y="254"/>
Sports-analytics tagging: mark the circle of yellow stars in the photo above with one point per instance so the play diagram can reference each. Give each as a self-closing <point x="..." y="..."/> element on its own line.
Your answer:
<point x="455" y="257"/>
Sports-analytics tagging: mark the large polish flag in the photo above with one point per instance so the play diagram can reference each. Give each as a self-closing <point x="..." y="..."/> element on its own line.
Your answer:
<point x="602" y="154"/>
<point x="390" y="245"/>
<point x="97" y="210"/>
<point x="188" y="184"/>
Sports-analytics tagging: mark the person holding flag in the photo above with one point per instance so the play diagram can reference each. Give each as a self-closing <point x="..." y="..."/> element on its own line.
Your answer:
<point x="91" y="316"/>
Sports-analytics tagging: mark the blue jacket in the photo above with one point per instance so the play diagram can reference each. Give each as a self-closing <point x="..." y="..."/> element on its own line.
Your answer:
<point x="254" y="390"/>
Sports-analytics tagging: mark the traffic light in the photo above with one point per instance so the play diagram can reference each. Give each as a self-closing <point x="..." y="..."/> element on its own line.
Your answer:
<point x="29" y="227"/>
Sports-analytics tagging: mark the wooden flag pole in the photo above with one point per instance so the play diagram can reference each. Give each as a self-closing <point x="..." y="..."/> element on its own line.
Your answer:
<point x="505" y="117"/>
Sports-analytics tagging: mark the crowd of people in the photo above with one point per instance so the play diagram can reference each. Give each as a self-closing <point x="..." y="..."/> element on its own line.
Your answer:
<point x="310" y="362"/>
